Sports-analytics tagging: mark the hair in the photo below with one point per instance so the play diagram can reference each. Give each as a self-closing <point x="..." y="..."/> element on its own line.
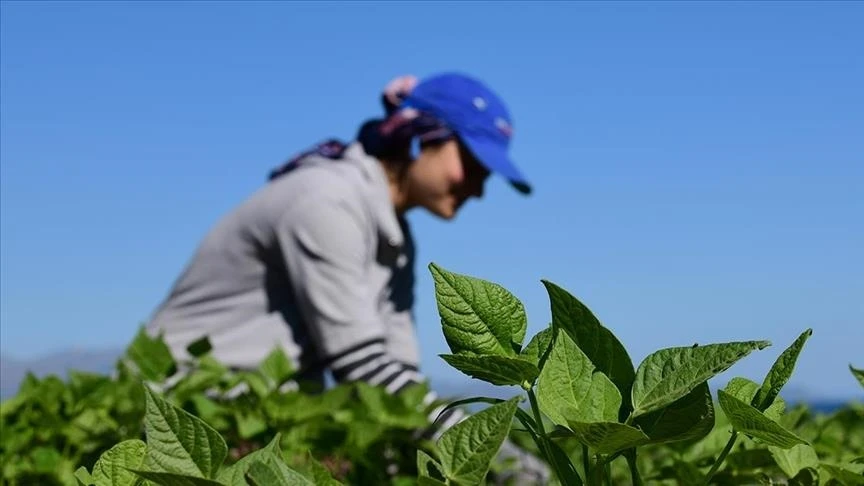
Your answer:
<point x="389" y="139"/>
<point x="383" y="145"/>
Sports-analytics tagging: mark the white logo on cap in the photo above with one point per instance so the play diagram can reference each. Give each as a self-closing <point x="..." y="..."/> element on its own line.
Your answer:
<point x="480" y="103"/>
<point x="504" y="126"/>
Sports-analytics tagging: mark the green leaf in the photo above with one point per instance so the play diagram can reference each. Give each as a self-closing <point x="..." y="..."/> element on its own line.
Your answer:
<point x="277" y="367"/>
<point x="667" y="375"/>
<point x="363" y="432"/>
<point x="83" y="476"/>
<point x="523" y="416"/>
<point x="88" y="387"/>
<point x="597" y="342"/>
<point x="179" y="442"/>
<point x="478" y="317"/>
<point x="388" y="409"/>
<point x="249" y="423"/>
<point x="275" y="472"/>
<point x="780" y="373"/>
<point x="746" y="419"/>
<point x="467" y="448"/>
<point x="256" y="382"/>
<point x="151" y="357"/>
<point x="840" y="433"/>
<point x="429" y="468"/>
<point x="537" y="346"/>
<point x="13" y="404"/>
<point x="50" y="395"/>
<point x="858" y="374"/>
<point x="746" y="390"/>
<point x="791" y="461"/>
<point x="45" y="460"/>
<point x="846" y="474"/>
<point x="570" y="389"/>
<point x="261" y="474"/>
<point x="234" y="474"/>
<point x="174" y="479"/>
<point x="210" y="411"/>
<point x="691" y="417"/>
<point x="319" y="474"/>
<point x="294" y="407"/>
<point x="608" y="437"/>
<point x="497" y="370"/>
<point x="742" y="388"/>
<point x="207" y="373"/>
<point x="413" y="395"/>
<point x="112" y="468"/>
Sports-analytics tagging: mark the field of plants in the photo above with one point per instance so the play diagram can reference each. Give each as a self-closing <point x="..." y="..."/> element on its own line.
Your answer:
<point x="585" y="408"/>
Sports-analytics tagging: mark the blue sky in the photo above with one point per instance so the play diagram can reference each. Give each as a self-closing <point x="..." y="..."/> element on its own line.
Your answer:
<point x="698" y="166"/>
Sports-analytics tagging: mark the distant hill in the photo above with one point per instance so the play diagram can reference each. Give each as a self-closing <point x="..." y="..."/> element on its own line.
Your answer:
<point x="13" y="370"/>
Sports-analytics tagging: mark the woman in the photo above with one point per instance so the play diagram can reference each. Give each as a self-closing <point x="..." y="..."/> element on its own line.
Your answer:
<point x="320" y="261"/>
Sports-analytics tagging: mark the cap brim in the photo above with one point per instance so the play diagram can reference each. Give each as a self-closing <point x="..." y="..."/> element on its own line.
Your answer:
<point x="496" y="159"/>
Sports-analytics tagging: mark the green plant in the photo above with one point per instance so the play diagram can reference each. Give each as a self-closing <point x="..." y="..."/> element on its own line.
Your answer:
<point x="592" y="415"/>
<point x="182" y="449"/>
<point x="361" y="433"/>
<point x="582" y="387"/>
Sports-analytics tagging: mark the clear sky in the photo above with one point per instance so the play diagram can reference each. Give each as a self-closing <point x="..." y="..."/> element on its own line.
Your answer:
<point x="698" y="166"/>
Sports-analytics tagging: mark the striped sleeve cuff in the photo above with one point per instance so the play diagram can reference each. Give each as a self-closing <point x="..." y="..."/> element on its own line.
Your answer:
<point x="370" y="363"/>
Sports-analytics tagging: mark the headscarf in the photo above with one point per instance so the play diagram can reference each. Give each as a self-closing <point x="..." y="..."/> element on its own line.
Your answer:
<point x="387" y="138"/>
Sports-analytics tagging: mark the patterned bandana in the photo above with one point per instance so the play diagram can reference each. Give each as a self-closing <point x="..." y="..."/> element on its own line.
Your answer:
<point x="390" y="137"/>
<point x="407" y="121"/>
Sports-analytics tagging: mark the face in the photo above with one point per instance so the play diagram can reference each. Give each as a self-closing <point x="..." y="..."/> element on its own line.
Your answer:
<point x="443" y="177"/>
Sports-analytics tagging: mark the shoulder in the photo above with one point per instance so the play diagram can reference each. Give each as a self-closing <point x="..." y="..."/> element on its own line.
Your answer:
<point x="353" y="182"/>
<point x="351" y="176"/>
<point x="351" y="189"/>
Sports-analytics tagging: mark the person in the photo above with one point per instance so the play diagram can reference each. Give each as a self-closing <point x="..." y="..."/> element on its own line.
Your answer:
<point x="320" y="261"/>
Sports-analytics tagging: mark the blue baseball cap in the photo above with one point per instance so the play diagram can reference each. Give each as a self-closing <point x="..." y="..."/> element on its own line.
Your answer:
<point x="477" y="115"/>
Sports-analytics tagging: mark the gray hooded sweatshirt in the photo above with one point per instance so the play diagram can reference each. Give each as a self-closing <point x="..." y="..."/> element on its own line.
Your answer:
<point x="317" y="263"/>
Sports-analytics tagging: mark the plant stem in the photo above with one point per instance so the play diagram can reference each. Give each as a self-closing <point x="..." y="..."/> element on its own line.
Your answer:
<point x="635" y="478"/>
<point x="541" y="434"/>
<point x="586" y="461"/>
<point x="721" y="457"/>
<point x="537" y="417"/>
<point x="598" y="474"/>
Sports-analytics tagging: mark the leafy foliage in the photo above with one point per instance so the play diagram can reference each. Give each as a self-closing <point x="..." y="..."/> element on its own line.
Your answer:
<point x="661" y="417"/>
<point x="210" y="416"/>
<point x="583" y="409"/>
